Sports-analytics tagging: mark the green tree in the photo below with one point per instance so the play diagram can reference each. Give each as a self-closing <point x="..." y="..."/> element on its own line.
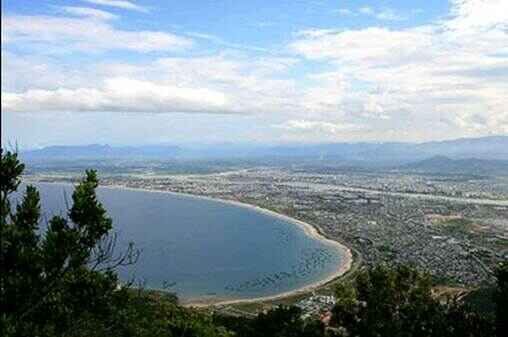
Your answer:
<point x="282" y="321"/>
<point x="61" y="273"/>
<point x="61" y="281"/>
<point x="399" y="302"/>
<point x="501" y="299"/>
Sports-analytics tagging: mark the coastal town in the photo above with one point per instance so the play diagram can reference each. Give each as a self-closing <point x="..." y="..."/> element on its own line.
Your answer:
<point x="454" y="227"/>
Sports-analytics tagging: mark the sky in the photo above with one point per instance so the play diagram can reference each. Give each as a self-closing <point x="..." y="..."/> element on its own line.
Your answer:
<point x="126" y="72"/>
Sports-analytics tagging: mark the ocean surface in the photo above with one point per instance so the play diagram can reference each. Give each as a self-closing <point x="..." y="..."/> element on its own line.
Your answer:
<point x="206" y="249"/>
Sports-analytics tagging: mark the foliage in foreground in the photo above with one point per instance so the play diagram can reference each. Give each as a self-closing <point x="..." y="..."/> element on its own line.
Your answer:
<point x="282" y="321"/>
<point x="62" y="281"/>
<point x="384" y="302"/>
<point x="399" y="302"/>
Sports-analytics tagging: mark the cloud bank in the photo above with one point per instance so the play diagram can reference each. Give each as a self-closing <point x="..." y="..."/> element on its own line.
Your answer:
<point x="448" y="78"/>
<point x="118" y="94"/>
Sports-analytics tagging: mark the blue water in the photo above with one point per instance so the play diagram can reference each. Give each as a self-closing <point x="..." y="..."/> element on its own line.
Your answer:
<point x="206" y="248"/>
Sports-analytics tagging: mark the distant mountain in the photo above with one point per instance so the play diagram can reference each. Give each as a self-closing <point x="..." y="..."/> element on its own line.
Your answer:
<point x="392" y="152"/>
<point x="441" y="164"/>
<point x="369" y="154"/>
<point x="96" y="151"/>
<point x="495" y="147"/>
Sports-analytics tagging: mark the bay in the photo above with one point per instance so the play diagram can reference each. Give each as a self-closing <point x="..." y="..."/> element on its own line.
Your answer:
<point x="208" y="250"/>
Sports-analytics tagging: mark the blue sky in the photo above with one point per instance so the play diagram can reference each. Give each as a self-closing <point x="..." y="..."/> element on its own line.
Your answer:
<point x="146" y="71"/>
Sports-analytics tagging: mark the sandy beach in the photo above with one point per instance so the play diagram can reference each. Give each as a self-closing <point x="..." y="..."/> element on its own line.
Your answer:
<point x="308" y="229"/>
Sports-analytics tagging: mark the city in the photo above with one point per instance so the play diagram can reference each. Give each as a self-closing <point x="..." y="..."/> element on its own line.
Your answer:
<point x="454" y="227"/>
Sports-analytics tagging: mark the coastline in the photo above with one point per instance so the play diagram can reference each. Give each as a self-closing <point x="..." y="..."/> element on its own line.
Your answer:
<point x="308" y="229"/>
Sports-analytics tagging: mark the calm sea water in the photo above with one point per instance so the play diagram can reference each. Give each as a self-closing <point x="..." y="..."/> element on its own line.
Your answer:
<point x="206" y="248"/>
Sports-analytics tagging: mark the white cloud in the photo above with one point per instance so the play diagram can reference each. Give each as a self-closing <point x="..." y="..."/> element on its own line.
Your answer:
<point x="247" y="83"/>
<point x="471" y="14"/>
<point x="390" y="15"/>
<point x="387" y="14"/>
<point x="345" y="11"/>
<point x="118" y="94"/>
<point x="219" y="41"/>
<point x="441" y="80"/>
<point x="21" y="73"/>
<point x="89" y="12"/>
<point x="444" y="79"/>
<point x="119" y="4"/>
<point x="313" y="33"/>
<point x="84" y="34"/>
<point x="318" y="126"/>
<point x="366" y="10"/>
<point x="358" y="46"/>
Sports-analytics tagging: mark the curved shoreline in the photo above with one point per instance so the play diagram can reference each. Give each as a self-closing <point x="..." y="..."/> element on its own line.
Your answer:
<point x="309" y="230"/>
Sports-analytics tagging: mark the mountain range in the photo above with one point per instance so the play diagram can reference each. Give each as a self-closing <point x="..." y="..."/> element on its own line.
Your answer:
<point x="442" y="164"/>
<point x="451" y="156"/>
<point x="493" y="148"/>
